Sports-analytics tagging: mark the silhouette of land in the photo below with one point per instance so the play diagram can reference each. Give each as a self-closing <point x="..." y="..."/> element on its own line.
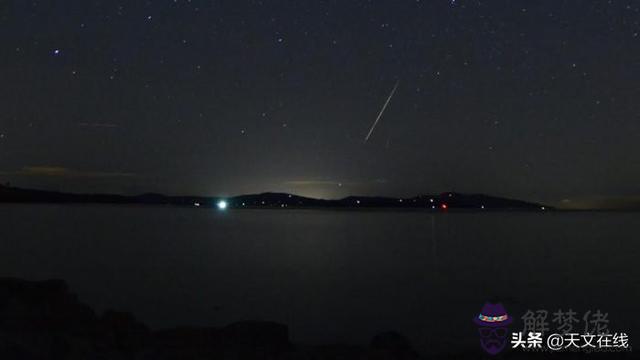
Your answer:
<point x="44" y="320"/>
<point x="443" y="201"/>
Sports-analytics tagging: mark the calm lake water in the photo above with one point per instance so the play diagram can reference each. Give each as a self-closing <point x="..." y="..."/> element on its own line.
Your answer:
<point x="332" y="276"/>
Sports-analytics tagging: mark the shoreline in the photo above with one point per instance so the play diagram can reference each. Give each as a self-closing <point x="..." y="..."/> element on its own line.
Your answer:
<point x="363" y="209"/>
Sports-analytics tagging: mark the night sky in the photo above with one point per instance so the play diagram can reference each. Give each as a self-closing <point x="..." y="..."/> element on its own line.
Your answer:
<point x="538" y="100"/>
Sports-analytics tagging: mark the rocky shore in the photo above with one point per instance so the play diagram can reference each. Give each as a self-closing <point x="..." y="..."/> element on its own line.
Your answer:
<point x="43" y="320"/>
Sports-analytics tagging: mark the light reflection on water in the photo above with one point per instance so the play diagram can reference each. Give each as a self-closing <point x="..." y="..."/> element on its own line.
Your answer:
<point x="332" y="276"/>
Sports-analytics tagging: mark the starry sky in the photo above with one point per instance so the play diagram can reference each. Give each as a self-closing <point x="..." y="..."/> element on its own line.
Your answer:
<point x="537" y="100"/>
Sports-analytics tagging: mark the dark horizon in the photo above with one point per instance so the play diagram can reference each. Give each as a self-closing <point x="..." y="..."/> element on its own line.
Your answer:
<point x="617" y="204"/>
<point x="594" y="202"/>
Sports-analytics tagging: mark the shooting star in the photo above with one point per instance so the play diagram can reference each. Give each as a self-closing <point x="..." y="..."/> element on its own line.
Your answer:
<point x="384" y="107"/>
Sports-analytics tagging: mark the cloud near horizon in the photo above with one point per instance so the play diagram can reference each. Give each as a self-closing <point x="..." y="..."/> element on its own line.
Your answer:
<point x="630" y="202"/>
<point x="332" y="182"/>
<point x="98" y="125"/>
<point x="59" y="171"/>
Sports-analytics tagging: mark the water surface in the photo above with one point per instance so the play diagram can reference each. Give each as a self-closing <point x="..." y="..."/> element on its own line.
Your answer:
<point x="332" y="276"/>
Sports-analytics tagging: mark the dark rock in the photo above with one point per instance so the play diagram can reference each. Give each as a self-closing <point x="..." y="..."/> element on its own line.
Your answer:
<point x="185" y="343"/>
<point x="43" y="306"/>
<point x="249" y="339"/>
<point x="122" y="331"/>
<point x="43" y="320"/>
<point x="391" y="345"/>
<point x="336" y="352"/>
<point x="188" y="337"/>
<point x="257" y="335"/>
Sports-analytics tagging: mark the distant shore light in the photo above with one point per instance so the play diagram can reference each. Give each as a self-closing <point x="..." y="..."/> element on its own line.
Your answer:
<point x="222" y="205"/>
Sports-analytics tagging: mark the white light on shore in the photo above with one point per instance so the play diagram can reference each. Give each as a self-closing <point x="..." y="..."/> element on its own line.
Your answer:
<point x="222" y="205"/>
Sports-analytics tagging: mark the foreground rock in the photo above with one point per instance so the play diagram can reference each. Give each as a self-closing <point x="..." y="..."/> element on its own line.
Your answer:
<point x="44" y="321"/>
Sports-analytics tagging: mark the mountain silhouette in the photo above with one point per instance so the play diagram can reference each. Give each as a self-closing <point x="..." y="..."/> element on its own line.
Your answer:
<point x="443" y="201"/>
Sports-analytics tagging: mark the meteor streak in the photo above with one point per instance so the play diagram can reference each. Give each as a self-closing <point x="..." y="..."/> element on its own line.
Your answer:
<point x="384" y="107"/>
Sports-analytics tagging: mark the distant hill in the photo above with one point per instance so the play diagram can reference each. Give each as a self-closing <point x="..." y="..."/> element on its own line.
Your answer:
<point x="449" y="200"/>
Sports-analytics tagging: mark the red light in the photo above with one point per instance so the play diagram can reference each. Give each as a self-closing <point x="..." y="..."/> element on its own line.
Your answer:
<point x="444" y="206"/>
